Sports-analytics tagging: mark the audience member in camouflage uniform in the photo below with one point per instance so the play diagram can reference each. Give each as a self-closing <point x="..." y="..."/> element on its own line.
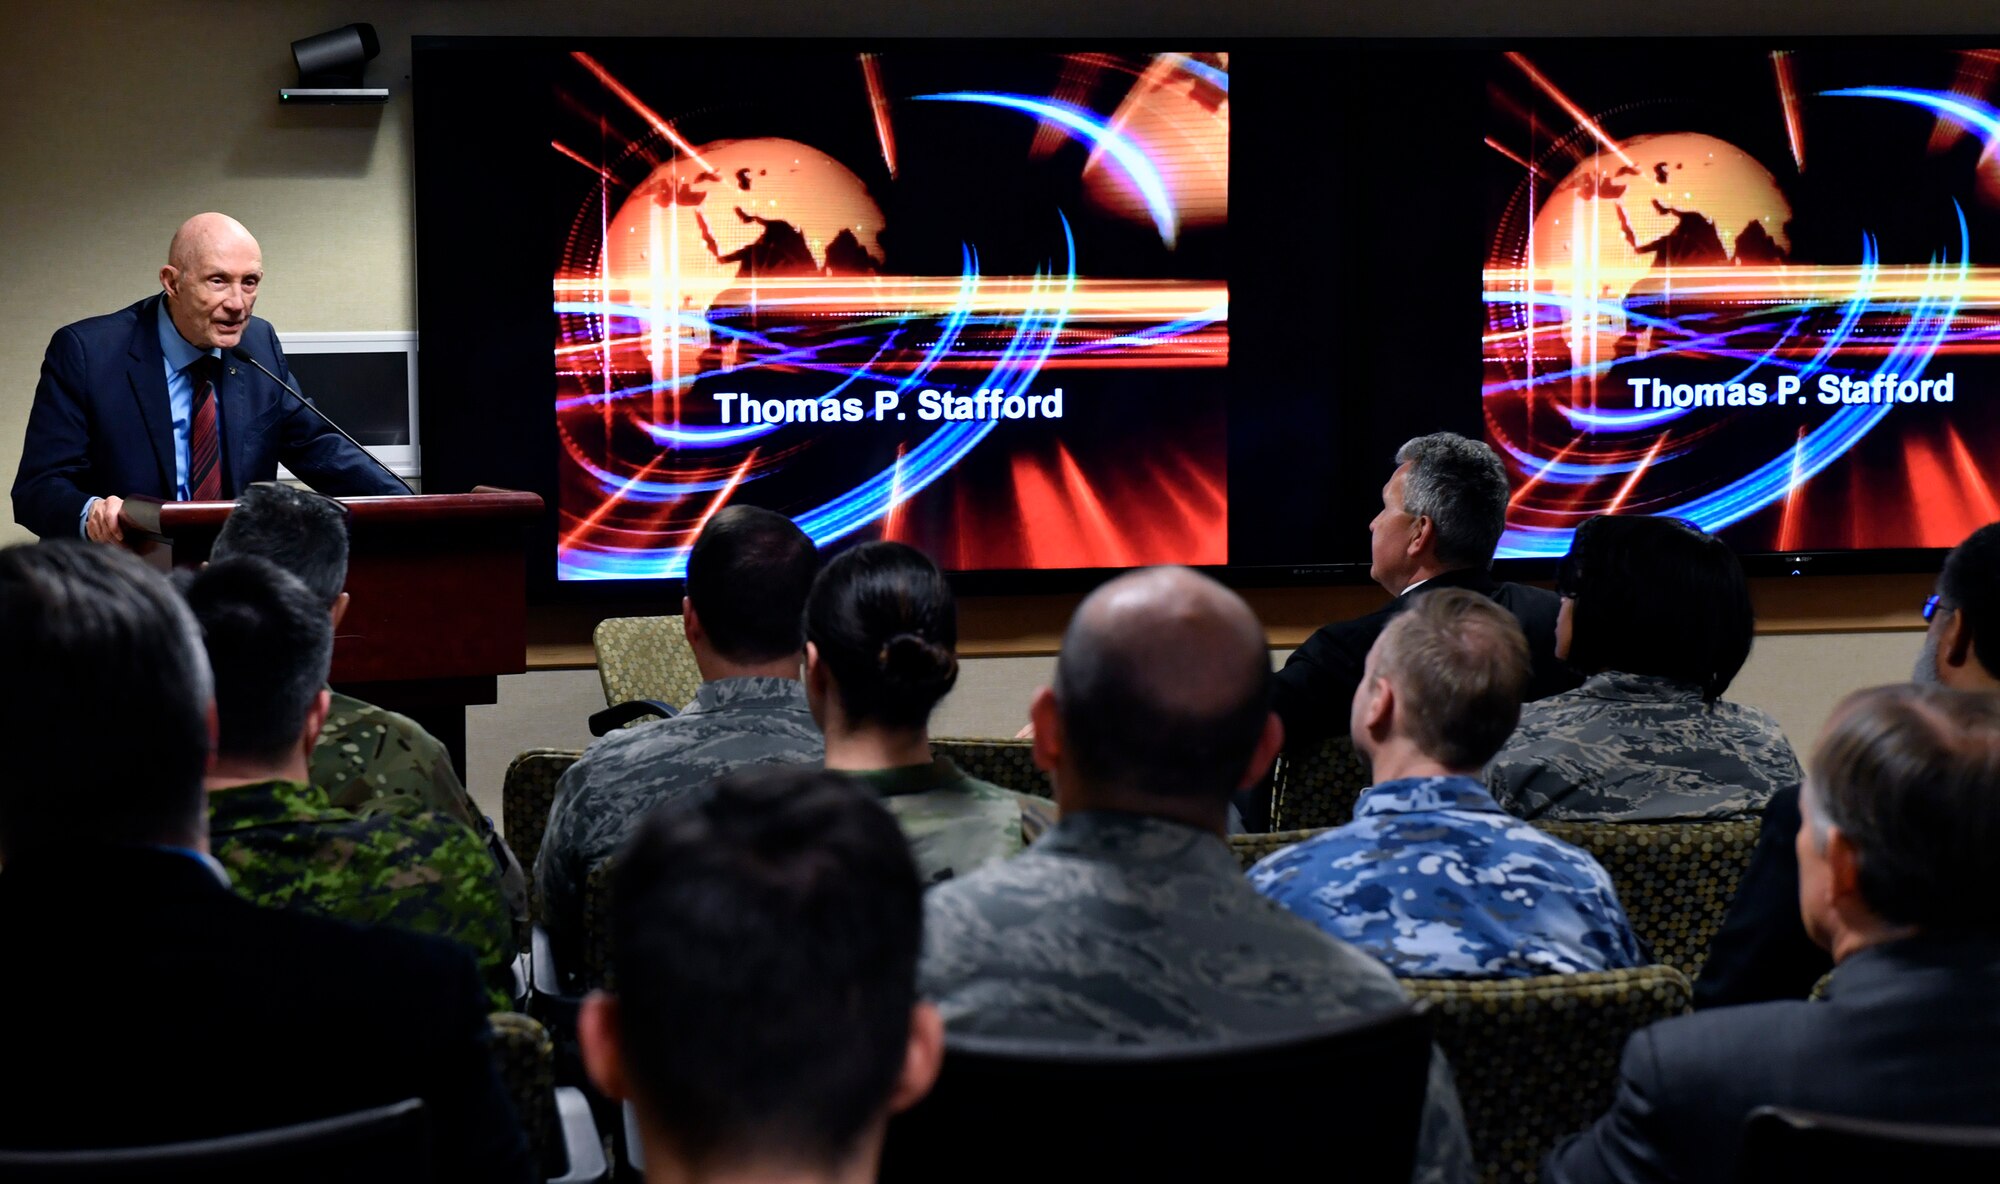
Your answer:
<point x="367" y="758"/>
<point x="1131" y="921"/>
<point x="1657" y="614"/>
<point x="1762" y="951"/>
<point x="282" y="841"/>
<point x="881" y="627"/>
<point x="1432" y="876"/>
<point x="747" y="578"/>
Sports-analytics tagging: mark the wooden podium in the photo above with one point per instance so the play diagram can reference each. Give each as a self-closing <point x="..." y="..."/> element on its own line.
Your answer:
<point x="439" y="594"/>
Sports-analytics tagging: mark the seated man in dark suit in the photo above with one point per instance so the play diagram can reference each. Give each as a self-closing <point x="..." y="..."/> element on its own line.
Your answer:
<point x="1443" y="512"/>
<point x="146" y="401"/>
<point x="1762" y="952"/>
<point x="147" y="1003"/>
<point x="1900" y="825"/>
<point x="766" y="1021"/>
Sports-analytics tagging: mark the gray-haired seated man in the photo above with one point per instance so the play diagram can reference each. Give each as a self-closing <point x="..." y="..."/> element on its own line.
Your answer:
<point x="1901" y="820"/>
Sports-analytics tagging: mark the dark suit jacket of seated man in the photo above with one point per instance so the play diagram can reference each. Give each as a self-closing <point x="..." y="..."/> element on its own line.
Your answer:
<point x="101" y="424"/>
<point x="1443" y="512"/>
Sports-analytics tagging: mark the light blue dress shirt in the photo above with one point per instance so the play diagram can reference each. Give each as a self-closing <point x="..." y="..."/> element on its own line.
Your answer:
<point x="177" y="356"/>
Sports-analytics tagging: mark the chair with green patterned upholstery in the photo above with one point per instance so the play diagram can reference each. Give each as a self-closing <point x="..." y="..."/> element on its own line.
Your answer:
<point x="1251" y="848"/>
<point x="1318" y="789"/>
<point x="647" y="668"/>
<point x="1675" y="879"/>
<point x="562" y="1135"/>
<point x="526" y="792"/>
<point x="1536" y="1059"/>
<point x="1009" y="764"/>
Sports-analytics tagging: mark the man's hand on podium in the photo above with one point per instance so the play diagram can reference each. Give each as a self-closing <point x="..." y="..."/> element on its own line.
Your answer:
<point x="103" y="526"/>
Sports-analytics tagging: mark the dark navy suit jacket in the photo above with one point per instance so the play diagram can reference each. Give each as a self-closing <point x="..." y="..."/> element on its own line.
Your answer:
<point x="100" y="426"/>
<point x="1907" y="1032"/>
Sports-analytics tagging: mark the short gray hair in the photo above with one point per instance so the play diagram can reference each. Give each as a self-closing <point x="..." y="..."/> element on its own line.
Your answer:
<point x="1461" y="486"/>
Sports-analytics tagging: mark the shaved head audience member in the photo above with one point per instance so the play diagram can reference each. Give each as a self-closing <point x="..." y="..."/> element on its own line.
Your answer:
<point x="1762" y="952"/>
<point x="151" y="1004"/>
<point x="766" y="1020"/>
<point x="747" y="578"/>
<point x="1900" y="824"/>
<point x="1130" y="921"/>
<point x="1432" y="876"/>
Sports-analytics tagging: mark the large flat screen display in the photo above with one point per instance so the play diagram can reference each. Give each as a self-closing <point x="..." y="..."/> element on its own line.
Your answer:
<point x="1749" y="285"/>
<point x="972" y="298"/>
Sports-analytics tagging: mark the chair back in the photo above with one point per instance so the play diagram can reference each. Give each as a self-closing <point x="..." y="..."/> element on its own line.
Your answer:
<point x="1103" y="1112"/>
<point x="1318" y="789"/>
<point x="1251" y="848"/>
<point x="1784" y="1144"/>
<point x="526" y="792"/>
<point x="385" y="1145"/>
<point x="1009" y="764"/>
<point x="1537" y="1058"/>
<point x="645" y="658"/>
<point x="1675" y="879"/>
<point x="525" y="1059"/>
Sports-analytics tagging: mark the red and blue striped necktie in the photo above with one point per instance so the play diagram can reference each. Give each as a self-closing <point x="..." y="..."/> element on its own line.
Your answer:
<point x="204" y="477"/>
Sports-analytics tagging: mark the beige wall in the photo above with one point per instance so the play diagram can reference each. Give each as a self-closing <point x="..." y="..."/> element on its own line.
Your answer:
<point x="1796" y="677"/>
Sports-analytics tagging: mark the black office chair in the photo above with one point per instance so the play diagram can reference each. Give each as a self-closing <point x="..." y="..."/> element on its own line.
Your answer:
<point x="386" y="1145"/>
<point x="1784" y="1144"/>
<point x="1044" y="1111"/>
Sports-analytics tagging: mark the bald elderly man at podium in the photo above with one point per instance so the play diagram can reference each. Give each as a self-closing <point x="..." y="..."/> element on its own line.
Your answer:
<point x="166" y="398"/>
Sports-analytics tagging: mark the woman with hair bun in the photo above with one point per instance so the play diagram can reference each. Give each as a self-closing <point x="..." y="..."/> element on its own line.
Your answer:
<point x="881" y="628"/>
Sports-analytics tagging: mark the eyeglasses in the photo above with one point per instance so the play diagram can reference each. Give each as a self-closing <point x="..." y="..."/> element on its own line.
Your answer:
<point x="1932" y="605"/>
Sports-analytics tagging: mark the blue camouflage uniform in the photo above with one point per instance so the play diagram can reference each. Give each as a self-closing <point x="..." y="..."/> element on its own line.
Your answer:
<point x="1437" y="881"/>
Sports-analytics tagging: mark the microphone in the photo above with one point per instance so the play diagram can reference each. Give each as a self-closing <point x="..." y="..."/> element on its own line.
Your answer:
<point x="243" y="355"/>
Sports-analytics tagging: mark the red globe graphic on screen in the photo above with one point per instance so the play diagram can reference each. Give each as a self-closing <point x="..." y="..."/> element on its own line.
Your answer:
<point x="738" y="210"/>
<point x="1676" y="200"/>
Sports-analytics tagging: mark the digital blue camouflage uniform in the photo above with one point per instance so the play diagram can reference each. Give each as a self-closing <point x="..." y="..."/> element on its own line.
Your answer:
<point x="368" y="759"/>
<point x="954" y="822"/>
<point x="1119" y="928"/>
<point x="286" y="846"/>
<point x="1639" y="748"/>
<point x="1438" y="881"/>
<point x="732" y="723"/>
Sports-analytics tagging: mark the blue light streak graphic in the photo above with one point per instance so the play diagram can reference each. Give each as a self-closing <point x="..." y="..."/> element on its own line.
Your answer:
<point x="1094" y="131"/>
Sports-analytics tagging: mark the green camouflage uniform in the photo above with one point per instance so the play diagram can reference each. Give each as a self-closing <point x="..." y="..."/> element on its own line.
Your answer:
<point x="1119" y="928"/>
<point x="370" y="759"/>
<point x="286" y="846"/>
<point x="954" y="822"/>
<point x="1640" y="748"/>
<point x="732" y="723"/>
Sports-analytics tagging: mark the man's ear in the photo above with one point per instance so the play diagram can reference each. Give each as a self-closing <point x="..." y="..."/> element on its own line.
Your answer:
<point x="1954" y="649"/>
<point x="1269" y="744"/>
<point x="167" y="277"/>
<point x="339" y="610"/>
<point x="597" y="1041"/>
<point x="1843" y="867"/>
<point x="921" y="1059"/>
<point x="1046" y="718"/>
<point x="322" y="706"/>
<point x="1422" y="533"/>
<point x="1379" y="712"/>
<point x="690" y="623"/>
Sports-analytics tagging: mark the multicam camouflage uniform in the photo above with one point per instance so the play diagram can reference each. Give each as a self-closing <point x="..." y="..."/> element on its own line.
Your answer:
<point x="370" y="759"/>
<point x="1118" y="928"/>
<point x="733" y="722"/>
<point x="286" y="846"/>
<point x="1638" y="748"/>
<point x="954" y="822"/>
<point x="1437" y="881"/>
